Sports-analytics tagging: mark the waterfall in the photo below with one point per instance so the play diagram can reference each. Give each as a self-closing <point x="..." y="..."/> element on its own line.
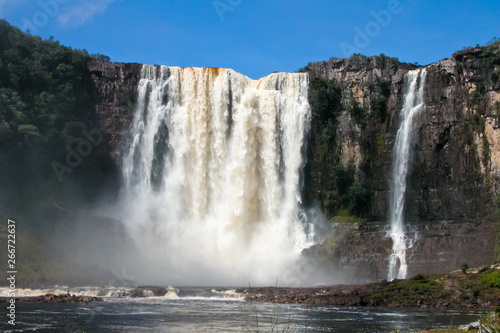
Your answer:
<point x="212" y="174"/>
<point x="413" y="103"/>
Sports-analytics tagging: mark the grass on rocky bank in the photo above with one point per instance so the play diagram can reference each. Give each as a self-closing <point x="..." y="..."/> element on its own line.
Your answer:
<point x="466" y="289"/>
<point x="470" y="288"/>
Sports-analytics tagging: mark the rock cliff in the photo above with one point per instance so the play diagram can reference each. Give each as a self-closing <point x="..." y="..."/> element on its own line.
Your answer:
<point x="451" y="206"/>
<point x="116" y="93"/>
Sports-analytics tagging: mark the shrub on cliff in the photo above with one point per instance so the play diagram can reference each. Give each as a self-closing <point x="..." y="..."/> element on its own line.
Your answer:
<point x="359" y="199"/>
<point x="379" y="107"/>
<point x="383" y="61"/>
<point x="325" y="98"/>
<point x="329" y="133"/>
<point x="344" y="178"/>
<point x="491" y="53"/>
<point x="491" y="280"/>
<point x="357" y="112"/>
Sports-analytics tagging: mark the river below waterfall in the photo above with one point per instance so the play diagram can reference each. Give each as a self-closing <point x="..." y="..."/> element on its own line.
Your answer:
<point x="190" y="312"/>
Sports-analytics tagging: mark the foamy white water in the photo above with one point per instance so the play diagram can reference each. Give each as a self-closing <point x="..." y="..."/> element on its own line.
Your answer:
<point x="144" y="294"/>
<point x="213" y="173"/>
<point x="413" y="103"/>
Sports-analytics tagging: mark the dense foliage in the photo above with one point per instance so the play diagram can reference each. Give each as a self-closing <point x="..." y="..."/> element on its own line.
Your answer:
<point x="326" y="98"/>
<point x="343" y="187"/>
<point x="491" y="53"/>
<point x="46" y="107"/>
<point x="42" y="83"/>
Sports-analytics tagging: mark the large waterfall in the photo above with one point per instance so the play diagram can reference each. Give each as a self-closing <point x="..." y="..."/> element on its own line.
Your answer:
<point x="212" y="174"/>
<point x="413" y="103"/>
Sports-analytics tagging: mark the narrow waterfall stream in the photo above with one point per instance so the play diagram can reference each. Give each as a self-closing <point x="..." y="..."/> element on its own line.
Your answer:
<point x="413" y="104"/>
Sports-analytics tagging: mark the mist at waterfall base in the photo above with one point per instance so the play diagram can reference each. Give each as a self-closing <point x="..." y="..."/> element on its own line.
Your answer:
<point x="213" y="177"/>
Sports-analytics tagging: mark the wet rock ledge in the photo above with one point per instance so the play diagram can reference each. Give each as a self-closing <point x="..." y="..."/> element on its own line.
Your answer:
<point x="478" y="288"/>
<point x="51" y="298"/>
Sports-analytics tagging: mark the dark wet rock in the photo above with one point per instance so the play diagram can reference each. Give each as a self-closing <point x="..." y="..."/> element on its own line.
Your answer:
<point x="51" y="298"/>
<point x="452" y="290"/>
<point x="116" y="88"/>
<point x="148" y="291"/>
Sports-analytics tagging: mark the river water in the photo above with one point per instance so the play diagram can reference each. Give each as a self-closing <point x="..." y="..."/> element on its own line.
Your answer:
<point x="223" y="314"/>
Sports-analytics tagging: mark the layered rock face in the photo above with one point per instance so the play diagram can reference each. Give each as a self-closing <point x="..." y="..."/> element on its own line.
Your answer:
<point x="453" y="180"/>
<point x="454" y="176"/>
<point x="456" y="169"/>
<point x="116" y="89"/>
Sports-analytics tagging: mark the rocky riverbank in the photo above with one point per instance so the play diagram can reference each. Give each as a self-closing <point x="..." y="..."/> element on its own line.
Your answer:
<point x="52" y="298"/>
<point x="469" y="289"/>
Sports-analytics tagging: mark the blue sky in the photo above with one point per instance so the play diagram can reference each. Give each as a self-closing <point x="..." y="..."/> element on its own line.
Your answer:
<point x="257" y="37"/>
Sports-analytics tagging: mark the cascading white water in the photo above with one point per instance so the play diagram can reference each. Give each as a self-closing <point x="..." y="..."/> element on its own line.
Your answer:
<point x="212" y="174"/>
<point x="413" y="103"/>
